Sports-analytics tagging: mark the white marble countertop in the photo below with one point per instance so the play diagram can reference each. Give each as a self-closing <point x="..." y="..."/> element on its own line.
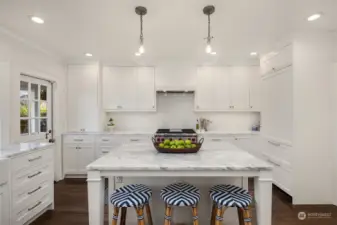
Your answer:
<point x="17" y="149"/>
<point x="134" y="157"/>
<point x="109" y="133"/>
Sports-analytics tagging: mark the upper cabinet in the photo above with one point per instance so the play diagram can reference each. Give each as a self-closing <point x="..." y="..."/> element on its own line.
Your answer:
<point x="227" y="89"/>
<point x="83" y="98"/>
<point x="128" y="89"/>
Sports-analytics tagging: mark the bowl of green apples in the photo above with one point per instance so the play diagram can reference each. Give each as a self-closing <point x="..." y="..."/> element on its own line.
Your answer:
<point x="177" y="146"/>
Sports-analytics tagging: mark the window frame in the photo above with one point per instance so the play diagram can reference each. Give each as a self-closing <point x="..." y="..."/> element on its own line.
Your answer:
<point x="30" y="136"/>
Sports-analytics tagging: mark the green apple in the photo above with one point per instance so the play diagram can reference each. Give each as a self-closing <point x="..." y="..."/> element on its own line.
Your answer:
<point x="161" y="145"/>
<point x="177" y="142"/>
<point x="167" y="141"/>
<point x="166" y="146"/>
<point x="188" y="146"/>
<point x="181" y="147"/>
<point x="172" y="143"/>
<point x="194" y="145"/>
<point x="188" y="142"/>
<point x="181" y="142"/>
<point x="173" y="146"/>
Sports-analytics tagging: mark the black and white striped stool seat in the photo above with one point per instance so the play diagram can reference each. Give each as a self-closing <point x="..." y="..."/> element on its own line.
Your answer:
<point x="180" y="194"/>
<point x="131" y="195"/>
<point x="230" y="196"/>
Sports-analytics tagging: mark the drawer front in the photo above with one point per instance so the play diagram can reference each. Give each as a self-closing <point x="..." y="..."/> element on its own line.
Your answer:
<point x="106" y="140"/>
<point x="30" y="209"/>
<point x="79" y="139"/>
<point x="24" y="162"/>
<point x="33" y="175"/>
<point x="26" y="194"/>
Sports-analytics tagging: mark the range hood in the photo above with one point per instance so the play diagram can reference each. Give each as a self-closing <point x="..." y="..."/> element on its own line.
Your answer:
<point x="175" y="91"/>
<point x="180" y="89"/>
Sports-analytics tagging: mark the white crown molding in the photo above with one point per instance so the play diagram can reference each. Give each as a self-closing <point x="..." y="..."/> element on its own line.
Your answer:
<point x="30" y="44"/>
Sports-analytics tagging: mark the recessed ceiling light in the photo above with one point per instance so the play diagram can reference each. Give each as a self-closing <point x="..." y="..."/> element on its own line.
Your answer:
<point x="88" y="54"/>
<point x="36" y="19"/>
<point x="253" y="53"/>
<point x="314" y="17"/>
<point x="213" y="53"/>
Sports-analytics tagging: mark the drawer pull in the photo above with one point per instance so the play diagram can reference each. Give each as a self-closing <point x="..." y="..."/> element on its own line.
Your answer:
<point x="31" y="192"/>
<point x="39" y="203"/>
<point x="105" y="140"/>
<point x="274" y="143"/>
<point x="31" y="160"/>
<point x="105" y="151"/>
<point x="134" y="140"/>
<point x="273" y="163"/>
<point x="34" y="175"/>
<point x="78" y="139"/>
<point x="216" y="139"/>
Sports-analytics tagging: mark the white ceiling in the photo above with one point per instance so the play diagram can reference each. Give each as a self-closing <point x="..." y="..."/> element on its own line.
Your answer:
<point x="173" y="29"/>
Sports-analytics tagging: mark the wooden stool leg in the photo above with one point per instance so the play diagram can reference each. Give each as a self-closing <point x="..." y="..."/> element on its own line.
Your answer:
<point x="213" y="215"/>
<point x="140" y="214"/>
<point x="195" y="215"/>
<point x="148" y="213"/>
<point x="247" y="216"/>
<point x="168" y="215"/>
<point x="220" y="210"/>
<point x="240" y="215"/>
<point x="123" y="216"/>
<point x="115" y="216"/>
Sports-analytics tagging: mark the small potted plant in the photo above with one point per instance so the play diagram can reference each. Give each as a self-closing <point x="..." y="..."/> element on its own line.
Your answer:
<point x="111" y="125"/>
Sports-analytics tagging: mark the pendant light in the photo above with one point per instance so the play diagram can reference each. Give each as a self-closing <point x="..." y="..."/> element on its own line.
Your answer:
<point x="141" y="11"/>
<point x="209" y="10"/>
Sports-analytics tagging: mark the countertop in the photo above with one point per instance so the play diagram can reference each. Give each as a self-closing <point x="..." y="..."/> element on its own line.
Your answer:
<point x="134" y="157"/>
<point x="17" y="149"/>
<point x="152" y="133"/>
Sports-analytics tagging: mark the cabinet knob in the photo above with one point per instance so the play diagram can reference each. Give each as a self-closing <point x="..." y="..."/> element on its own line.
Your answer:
<point x="251" y="107"/>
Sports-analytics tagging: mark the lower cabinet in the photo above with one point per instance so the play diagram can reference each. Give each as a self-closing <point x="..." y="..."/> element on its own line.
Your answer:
<point x="273" y="152"/>
<point x="81" y="150"/>
<point x="76" y="158"/>
<point x="4" y="204"/>
<point x="31" y="185"/>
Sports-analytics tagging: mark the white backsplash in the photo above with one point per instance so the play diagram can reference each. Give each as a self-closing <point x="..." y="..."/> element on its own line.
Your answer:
<point x="177" y="111"/>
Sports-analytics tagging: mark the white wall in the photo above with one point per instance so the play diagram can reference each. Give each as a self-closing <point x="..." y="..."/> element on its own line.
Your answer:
<point x="24" y="59"/>
<point x="334" y="127"/>
<point x="313" y="155"/>
<point x="17" y="57"/>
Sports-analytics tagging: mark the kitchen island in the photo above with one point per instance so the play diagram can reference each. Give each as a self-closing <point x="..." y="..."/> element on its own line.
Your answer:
<point x="142" y="161"/>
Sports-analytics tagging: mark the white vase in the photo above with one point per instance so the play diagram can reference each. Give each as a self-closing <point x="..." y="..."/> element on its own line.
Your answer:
<point x="110" y="128"/>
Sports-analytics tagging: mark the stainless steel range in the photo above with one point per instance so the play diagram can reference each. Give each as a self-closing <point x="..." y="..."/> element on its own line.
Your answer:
<point x="176" y="134"/>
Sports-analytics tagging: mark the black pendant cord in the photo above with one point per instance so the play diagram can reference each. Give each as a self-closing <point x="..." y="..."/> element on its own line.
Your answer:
<point x="209" y="29"/>
<point x="141" y="30"/>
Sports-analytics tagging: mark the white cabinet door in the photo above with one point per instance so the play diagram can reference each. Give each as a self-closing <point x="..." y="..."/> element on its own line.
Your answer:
<point x="118" y="88"/>
<point x="212" y="92"/>
<point x="239" y="88"/>
<point x="70" y="160"/>
<point x="85" y="156"/>
<point x="255" y="90"/>
<point x="83" y="98"/>
<point x="4" y="204"/>
<point x="146" y="95"/>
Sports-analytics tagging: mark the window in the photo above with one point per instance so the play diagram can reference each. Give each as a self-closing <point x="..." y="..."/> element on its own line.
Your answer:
<point x="34" y="107"/>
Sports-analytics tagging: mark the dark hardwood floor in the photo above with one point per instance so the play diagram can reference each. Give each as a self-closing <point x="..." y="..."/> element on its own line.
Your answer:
<point x="71" y="207"/>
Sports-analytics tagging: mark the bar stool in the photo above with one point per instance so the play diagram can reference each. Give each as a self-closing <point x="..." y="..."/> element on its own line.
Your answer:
<point x="225" y="196"/>
<point x="133" y="195"/>
<point x="180" y="194"/>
